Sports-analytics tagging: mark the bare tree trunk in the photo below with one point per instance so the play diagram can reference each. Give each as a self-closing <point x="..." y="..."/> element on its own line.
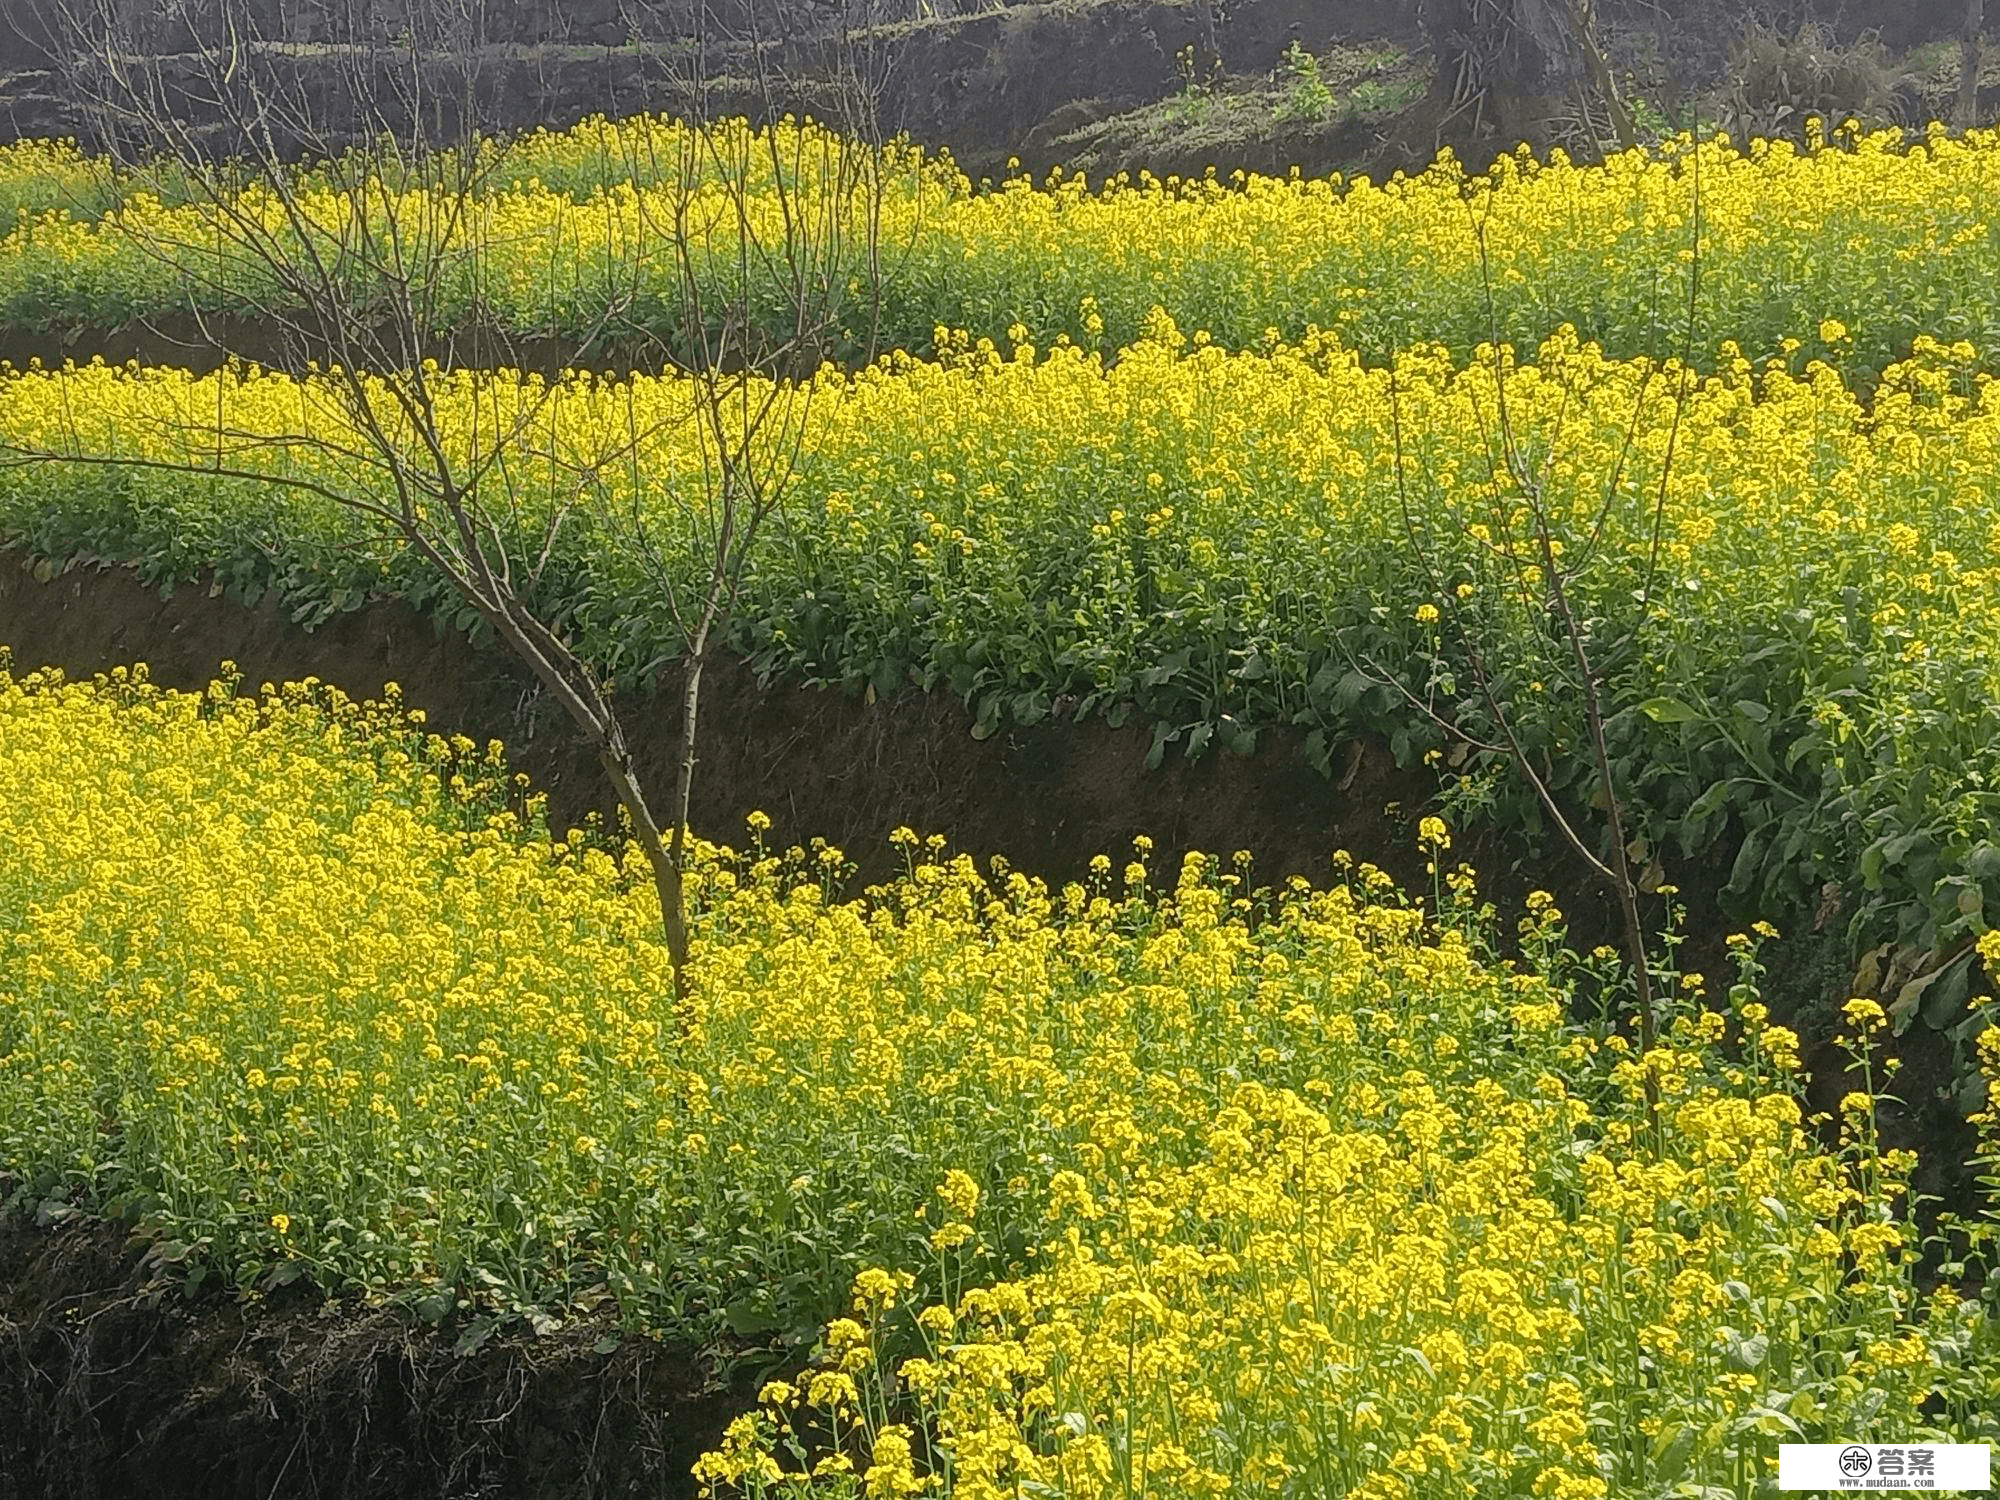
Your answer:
<point x="684" y="748"/>
<point x="1626" y="888"/>
<point x="1585" y="33"/>
<point x="1512" y="67"/>
<point x="1967" y="114"/>
<point x="665" y="863"/>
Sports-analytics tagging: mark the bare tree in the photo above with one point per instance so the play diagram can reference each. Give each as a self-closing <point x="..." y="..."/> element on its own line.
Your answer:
<point x="345" y="225"/>
<point x="822" y="247"/>
<point x="1513" y="570"/>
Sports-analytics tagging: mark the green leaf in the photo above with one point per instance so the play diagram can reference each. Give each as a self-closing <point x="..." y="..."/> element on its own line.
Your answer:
<point x="1709" y="801"/>
<point x="1772" y="1422"/>
<point x="1755" y="712"/>
<point x="1947" y="997"/>
<point x="1747" y="1354"/>
<point x="1903" y="1009"/>
<point x="477" y="1332"/>
<point x="1669" y="711"/>
<point x="746" y="1318"/>
<point x="1670" y="1452"/>
<point x="1749" y="860"/>
<point x="1352" y="687"/>
<point x="1970" y="1096"/>
<point x="1318" y="756"/>
<point x="1938" y="996"/>
<point x="1167" y="668"/>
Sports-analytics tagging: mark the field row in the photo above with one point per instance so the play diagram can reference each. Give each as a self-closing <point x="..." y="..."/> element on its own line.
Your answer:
<point x="1157" y="1184"/>
<point x="1847" y="251"/>
<point x="1220" y="545"/>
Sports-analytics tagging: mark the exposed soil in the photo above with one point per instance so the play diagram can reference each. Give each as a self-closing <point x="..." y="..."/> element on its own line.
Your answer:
<point x="205" y="342"/>
<point x="990" y="82"/>
<point x="819" y="762"/>
<point x="975" y="83"/>
<point x="114" y="1386"/>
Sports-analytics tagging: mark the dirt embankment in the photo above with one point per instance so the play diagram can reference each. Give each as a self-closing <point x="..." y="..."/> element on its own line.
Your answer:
<point x="988" y="82"/>
<point x="820" y="763"/>
<point x="114" y="1387"/>
<point x="978" y="84"/>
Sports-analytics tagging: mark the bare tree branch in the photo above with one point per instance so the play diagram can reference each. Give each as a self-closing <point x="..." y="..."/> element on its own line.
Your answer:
<point x="350" y="224"/>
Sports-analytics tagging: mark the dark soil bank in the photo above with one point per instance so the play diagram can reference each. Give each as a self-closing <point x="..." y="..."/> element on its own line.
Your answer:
<point x="820" y="763"/>
<point x="114" y="1388"/>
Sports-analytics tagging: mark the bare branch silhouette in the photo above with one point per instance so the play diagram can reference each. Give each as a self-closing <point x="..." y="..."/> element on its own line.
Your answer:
<point x="347" y="228"/>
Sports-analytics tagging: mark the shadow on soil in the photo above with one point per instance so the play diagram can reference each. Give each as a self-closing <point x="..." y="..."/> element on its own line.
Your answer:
<point x="819" y="762"/>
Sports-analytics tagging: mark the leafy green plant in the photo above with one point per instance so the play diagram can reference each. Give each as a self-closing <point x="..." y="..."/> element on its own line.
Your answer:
<point x="1305" y="95"/>
<point x="1890" y="240"/>
<point x="1652" y="122"/>
<point x="955" y="1095"/>
<point x="1196" y="100"/>
<point x="1374" y="96"/>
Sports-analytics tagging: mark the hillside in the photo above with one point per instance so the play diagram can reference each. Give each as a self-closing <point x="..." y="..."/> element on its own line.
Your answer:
<point x="1093" y="85"/>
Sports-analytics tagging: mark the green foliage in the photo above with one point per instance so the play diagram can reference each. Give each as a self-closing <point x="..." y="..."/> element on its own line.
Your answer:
<point x="1649" y="119"/>
<point x="1304" y="95"/>
<point x="1197" y="99"/>
<point x="1214" y="545"/>
<point x="1373" y="96"/>
<point x="300" y="989"/>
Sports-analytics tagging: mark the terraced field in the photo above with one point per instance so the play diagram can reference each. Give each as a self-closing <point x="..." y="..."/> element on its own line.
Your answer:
<point x="1888" y="241"/>
<point x="1163" y="1180"/>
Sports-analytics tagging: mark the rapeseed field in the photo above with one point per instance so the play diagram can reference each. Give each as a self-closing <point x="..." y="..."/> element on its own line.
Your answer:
<point x="1157" y="1182"/>
<point x="573" y="235"/>
<point x="1165" y="1182"/>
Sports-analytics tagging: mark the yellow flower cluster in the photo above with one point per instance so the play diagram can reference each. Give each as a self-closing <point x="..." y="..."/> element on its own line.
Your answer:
<point x="1214" y="538"/>
<point x="560" y="228"/>
<point x="1370" y="1248"/>
<point x="1852" y="245"/>
<point x="37" y="176"/>
<point x="1326" y="1199"/>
